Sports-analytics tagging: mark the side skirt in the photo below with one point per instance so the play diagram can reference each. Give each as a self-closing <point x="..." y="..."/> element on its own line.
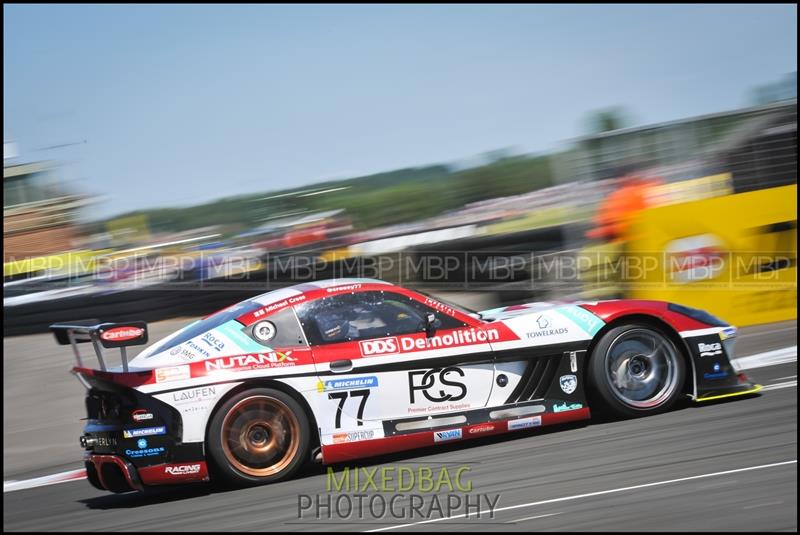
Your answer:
<point x="335" y="453"/>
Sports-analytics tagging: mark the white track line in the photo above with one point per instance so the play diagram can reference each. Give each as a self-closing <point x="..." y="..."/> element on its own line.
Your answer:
<point x="778" y="386"/>
<point x="591" y="494"/>
<point x="63" y="477"/>
<point x="762" y="333"/>
<point x="769" y="358"/>
<point x="531" y="518"/>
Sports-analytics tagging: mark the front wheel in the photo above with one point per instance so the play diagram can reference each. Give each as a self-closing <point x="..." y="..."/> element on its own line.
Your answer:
<point x="635" y="370"/>
<point x="258" y="436"/>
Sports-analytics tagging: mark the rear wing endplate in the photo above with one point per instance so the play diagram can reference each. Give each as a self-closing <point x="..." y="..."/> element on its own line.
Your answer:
<point x="108" y="335"/>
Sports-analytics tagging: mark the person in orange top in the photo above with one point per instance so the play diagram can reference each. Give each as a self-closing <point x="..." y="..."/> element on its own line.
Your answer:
<point x="616" y="212"/>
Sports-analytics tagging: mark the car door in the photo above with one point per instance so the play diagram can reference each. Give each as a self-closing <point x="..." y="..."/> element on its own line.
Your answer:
<point x="376" y="363"/>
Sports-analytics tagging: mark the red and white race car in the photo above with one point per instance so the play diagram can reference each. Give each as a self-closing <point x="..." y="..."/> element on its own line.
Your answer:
<point x="346" y="369"/>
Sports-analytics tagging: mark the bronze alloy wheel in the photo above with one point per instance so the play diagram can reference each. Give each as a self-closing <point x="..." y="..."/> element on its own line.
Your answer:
<point x="260" y="436"/>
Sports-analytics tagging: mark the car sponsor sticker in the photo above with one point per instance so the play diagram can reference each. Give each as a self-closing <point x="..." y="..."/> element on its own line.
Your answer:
<point x="144" y="431"/>
<point x="122" y="334"/>
<point x="343" y="288"/>
<point x="440" y="307"/>
<point x="525" y="423"/>
<point x="103" y="441"/>
<point x="566" y="407"/>
<point x="727" y="332"/>
<point x="481" y="428"/>
<point x="546" y="328"/>
<point x="258" y="361"/>
<point x="188" y="351"/>
<point x="458" y="337"/>
<point x="369" y="381"/>
<point x="383" y="346"/>
<point x="197" y="349"/>
<point x="182" y="469"/>
<point x="141" y="415"/>
<point x="353" y="436"/>
<point x="709" y="350"/>
<point x="717" y="373"/>
<point x="214" y="342"/>
<point x="143" y="450"/>
<point x="174" y="373"/>
<point x="436" y="385"/>
<point x="194" y="395"/>
<point x="409" y="343"/>
<point x="582" y="318"/>
<point x="568" y="383"/>
<point x="450" y="434"/>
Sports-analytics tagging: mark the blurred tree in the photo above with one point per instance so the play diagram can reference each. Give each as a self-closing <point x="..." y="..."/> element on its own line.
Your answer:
<point x="783" y="89"/>
<point x="608" y="119"/>
<point x="400" y="196"/>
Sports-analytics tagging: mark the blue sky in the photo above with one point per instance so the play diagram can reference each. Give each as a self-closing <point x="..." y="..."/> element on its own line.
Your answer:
<point x="182" y="104"/>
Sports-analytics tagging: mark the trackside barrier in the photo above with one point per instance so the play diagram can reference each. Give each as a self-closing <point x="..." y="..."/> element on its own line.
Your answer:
<point x="735" y="256"/>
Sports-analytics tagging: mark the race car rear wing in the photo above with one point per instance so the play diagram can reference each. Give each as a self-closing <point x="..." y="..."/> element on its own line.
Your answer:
<point x="108" y="335"/>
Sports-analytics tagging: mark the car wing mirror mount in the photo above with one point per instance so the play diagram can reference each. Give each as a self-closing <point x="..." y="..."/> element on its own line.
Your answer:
<point x="430" y="324"/>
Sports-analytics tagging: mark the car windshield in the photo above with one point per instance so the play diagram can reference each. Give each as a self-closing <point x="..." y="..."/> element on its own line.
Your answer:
<point x="199" y="327"/>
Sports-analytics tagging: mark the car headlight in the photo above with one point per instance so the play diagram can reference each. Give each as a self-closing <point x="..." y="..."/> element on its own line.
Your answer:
<point x="700" y="315"/>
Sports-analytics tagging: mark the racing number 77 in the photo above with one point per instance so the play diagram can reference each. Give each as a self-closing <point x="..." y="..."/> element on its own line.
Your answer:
<point x="342" y="397"/>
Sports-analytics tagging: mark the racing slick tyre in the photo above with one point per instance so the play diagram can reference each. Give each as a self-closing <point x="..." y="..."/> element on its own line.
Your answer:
<point x="258" y="436"/>
<point x="634" y="370"/>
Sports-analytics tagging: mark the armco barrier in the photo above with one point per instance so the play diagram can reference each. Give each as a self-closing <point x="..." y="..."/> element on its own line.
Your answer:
<point x="735" y="256"/>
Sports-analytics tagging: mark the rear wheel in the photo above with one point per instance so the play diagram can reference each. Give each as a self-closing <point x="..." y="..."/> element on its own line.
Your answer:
<point x="635" y="370"/>
<point x="258" y="436"/>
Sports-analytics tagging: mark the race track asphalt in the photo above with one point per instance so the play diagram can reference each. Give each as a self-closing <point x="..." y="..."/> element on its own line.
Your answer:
<point x="728" y="465"/>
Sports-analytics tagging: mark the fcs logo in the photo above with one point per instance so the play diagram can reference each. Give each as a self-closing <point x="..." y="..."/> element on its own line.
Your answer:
<point x="384" y="346"/>
<point x="428" y="382"/>
<point x="182" y="469"/>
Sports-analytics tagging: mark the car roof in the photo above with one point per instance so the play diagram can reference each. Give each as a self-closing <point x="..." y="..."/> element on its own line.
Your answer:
<point x="275" y="296"/>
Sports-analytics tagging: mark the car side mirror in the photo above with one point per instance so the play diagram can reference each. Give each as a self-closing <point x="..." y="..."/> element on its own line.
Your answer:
<point x="430" y="324"/>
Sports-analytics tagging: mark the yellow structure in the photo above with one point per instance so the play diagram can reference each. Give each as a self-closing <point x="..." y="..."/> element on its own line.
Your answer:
<point x="734" y="255"/>
<point x="123" y="230"/>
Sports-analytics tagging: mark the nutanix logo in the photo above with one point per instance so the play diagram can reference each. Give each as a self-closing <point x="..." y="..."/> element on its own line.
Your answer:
<point x="252" y="361"/>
